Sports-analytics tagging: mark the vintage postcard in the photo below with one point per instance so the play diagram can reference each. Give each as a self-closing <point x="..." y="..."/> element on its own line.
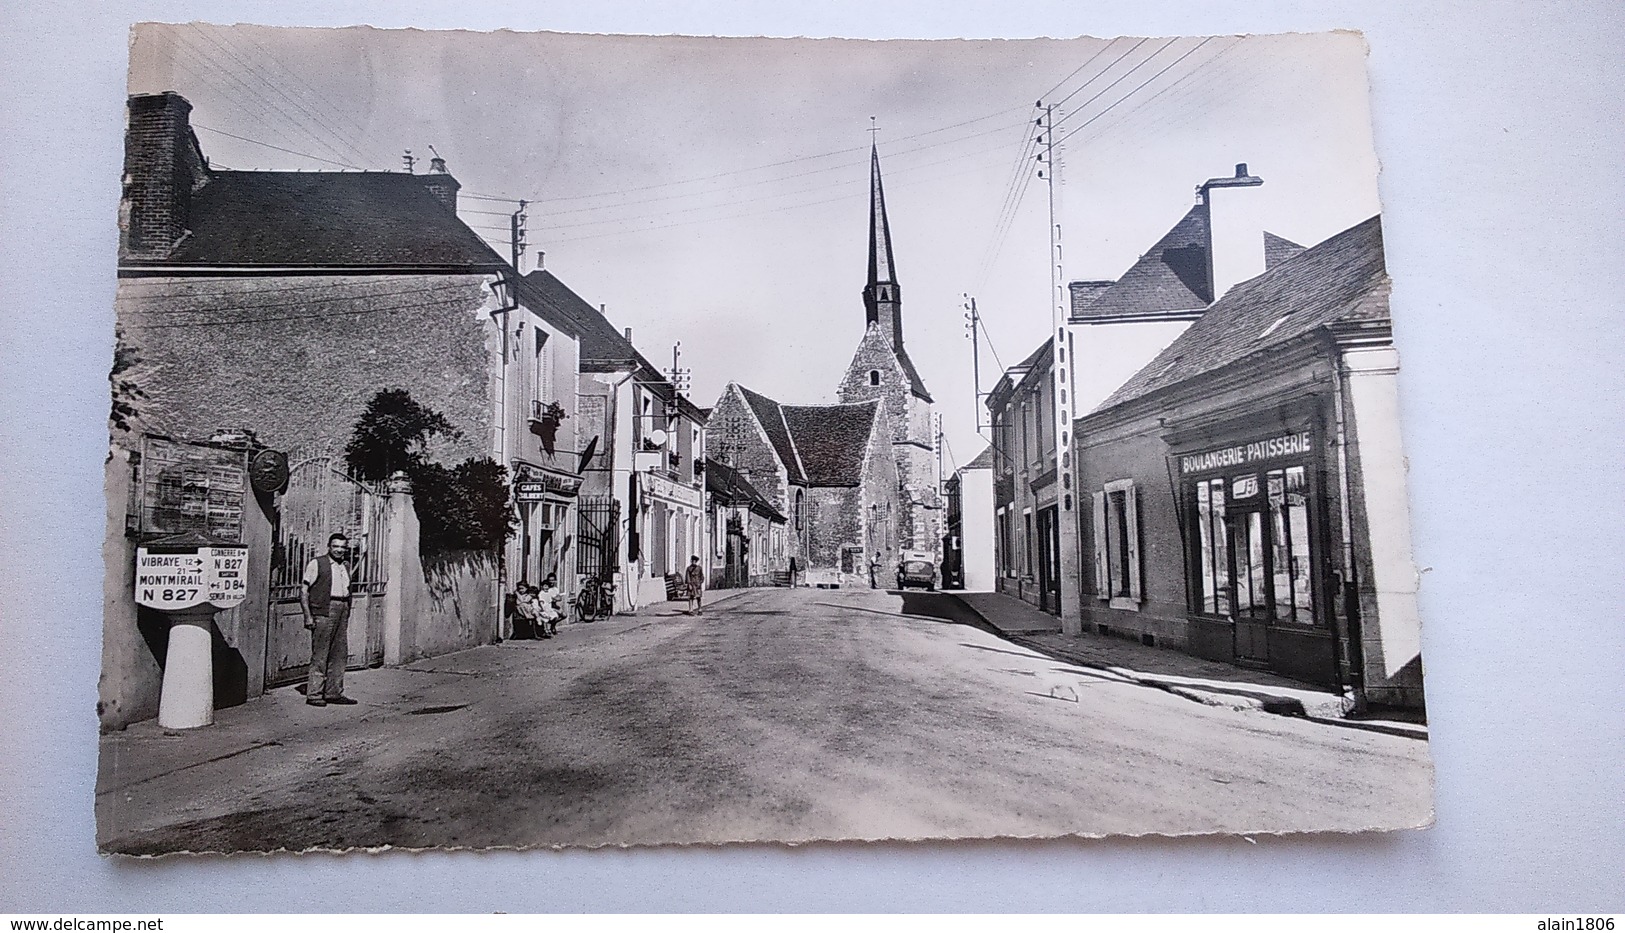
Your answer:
<point x="534" y="440"/>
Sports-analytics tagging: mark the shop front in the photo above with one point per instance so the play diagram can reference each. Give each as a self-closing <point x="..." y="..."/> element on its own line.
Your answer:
<point x="545" y="500"/>
<point x="1257" y="563"/>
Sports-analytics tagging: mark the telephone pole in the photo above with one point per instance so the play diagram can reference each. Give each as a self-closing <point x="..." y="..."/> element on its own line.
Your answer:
<point x="516" y="236"/>
<point x="973" y="330"/>
<point x="1069" y="569"/>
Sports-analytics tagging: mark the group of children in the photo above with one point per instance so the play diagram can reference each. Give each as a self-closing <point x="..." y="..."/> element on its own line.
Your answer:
<point x="537" y="611"/>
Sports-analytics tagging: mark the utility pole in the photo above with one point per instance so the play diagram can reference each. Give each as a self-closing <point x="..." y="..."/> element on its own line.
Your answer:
<point x="973" y="328"/>
<point x="517" y="234"/>
<point x="1069" y="568"/>
<point x="939" y="453"/>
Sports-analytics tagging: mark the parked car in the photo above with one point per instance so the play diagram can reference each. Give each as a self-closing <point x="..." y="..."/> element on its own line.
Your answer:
<point x="916" y="569"/>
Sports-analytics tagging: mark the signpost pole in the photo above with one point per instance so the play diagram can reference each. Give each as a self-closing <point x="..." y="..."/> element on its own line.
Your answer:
<point x="187" y="697"/>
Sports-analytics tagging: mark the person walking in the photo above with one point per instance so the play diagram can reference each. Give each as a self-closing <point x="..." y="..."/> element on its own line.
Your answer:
<point x="694" y="578"/>
<point x="325" y="600"/>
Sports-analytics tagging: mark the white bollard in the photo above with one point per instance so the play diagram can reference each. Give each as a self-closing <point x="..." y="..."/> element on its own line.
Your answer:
<point x="187" y="700"/>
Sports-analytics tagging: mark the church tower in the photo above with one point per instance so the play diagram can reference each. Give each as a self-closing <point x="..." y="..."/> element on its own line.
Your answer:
<point x="881" y="369"/>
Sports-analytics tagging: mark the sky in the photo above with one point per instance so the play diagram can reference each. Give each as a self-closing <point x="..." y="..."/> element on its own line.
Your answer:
<point x="715" y="191"/>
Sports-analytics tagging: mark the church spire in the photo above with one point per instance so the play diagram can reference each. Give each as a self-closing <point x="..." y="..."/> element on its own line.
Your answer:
<point x="882" y="298"/>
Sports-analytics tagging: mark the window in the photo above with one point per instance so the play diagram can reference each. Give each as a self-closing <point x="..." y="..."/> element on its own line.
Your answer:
<point x="1252" y="552"/>
<point x="1001" y="543"/>
<point x="542" y="370"/>
<point x="874" y="377"/>
<point x="1117" y="545"/>
<point x="1027" y="543"/>
<point x="799" y="493"/>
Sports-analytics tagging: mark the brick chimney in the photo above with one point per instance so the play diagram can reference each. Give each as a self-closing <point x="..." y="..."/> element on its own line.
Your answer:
<point x="1235" y="230"/>
<point x="441" y="184"/>
<point x="163" y="168"/>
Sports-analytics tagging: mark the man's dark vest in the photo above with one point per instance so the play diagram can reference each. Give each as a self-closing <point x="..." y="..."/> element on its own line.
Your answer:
<point x="321" y="592"/>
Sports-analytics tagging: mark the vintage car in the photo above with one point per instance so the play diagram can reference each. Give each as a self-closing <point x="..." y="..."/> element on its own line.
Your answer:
<point x="916" y="569"/>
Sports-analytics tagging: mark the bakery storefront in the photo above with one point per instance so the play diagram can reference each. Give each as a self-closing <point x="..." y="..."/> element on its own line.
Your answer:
<point x="1254" y="516"/>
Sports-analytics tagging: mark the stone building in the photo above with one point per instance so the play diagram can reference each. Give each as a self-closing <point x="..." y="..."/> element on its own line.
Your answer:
<point x="881" y="368"/>
<point x="262" y="311"/>
<point x="831" y="469"/>
<point x="1248" y="485"/>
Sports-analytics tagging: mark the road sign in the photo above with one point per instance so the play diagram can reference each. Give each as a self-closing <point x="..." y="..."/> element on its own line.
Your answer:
<point x="180" y="578"/>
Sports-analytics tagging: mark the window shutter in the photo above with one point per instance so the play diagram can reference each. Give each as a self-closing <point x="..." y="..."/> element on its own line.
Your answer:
<point x="1131" y="504"/>
<point x="1103" y="588"/>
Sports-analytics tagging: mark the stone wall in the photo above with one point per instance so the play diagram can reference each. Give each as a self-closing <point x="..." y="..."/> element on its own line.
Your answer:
<point x="296" y="358"/>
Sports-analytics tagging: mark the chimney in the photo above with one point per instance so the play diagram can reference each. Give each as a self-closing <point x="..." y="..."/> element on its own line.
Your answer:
<point x="629" y="335"/>
<point x="541" y="259"/>
<point x="440" y="183"/>
<point x="1235" y="230"/>
<point x="163" y="167"/>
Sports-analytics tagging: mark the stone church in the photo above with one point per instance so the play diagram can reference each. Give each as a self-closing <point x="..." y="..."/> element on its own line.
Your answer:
<point x="856" y="478"/>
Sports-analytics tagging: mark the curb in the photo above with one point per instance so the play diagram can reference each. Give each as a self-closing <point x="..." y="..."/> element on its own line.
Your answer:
<point x="1332" y="708"/>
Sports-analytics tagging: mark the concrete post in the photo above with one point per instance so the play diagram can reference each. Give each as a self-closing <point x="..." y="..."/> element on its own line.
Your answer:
<point x="396" y="564"/>
<point x="187" y="698"/>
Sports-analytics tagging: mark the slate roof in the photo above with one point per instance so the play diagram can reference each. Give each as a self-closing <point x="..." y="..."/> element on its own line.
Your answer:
<point x="771" y="416"/>
<point x="601" y="344"/>
<point x="367" y="219"/>
<point x="1278" y="249"/>
<point x="915" y="383"/>
<point x="832" y="440"/>
<point x="1171" y="276"/>
<point x="1341" y="279"/>
<point x="728" y="486"/>
<point x="983" y="461"/>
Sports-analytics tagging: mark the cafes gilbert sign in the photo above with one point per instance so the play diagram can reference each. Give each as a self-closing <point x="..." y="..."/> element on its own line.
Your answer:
<point x="1240" y="455"/>
<point x="535" y="485"/>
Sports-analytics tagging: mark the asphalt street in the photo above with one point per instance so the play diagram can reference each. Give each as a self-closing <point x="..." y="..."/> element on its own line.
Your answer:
<point x="787" y="715"/>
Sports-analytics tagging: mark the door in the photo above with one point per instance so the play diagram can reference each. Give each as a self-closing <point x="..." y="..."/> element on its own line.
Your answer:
<point x="738" y="569"/>
<point x="318" y="501"/>
<point x="1049" y="560"/>
<point x="1251" y="595"/>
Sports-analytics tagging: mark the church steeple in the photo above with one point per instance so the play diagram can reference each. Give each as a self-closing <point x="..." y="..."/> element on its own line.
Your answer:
<point x="882" y="297"/>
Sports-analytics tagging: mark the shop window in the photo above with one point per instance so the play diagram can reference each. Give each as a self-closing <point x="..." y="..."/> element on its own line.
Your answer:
<point x="1252" y="551"/>
<point x="1117" y="545"/>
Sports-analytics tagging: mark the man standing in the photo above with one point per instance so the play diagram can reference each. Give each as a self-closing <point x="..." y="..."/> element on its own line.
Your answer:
<point x="325" y="598"/>
<point x="695" y="581"/>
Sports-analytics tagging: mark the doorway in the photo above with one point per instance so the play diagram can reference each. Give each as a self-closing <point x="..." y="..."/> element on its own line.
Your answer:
<point x="1049" y="560"/>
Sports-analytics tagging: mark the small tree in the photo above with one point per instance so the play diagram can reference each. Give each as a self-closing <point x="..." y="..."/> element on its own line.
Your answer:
<point x="459" y="508"/>
<point x="391" y="435"/>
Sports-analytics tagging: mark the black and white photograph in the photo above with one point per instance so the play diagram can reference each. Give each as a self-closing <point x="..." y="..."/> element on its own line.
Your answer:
<point x="538" y="439"/>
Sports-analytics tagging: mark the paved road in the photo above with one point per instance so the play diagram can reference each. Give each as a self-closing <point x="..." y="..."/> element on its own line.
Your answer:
<point x="778" y="715"/>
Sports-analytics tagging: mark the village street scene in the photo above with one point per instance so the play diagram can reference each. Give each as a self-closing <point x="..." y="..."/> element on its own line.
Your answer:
<point x="507" y="451"/>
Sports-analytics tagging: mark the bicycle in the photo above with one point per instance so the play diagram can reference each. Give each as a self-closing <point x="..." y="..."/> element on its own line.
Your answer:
<point x="595" y="601"/>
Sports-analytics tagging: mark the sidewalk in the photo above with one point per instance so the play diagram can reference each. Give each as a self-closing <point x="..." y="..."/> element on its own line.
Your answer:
<point x="1213" y="683"/>
<point x="146" y="750"/>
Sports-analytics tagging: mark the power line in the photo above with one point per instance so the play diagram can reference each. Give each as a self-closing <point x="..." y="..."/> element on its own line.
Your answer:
<point x="256" y="142"/>
<point x="231" y="51"/>
<point x="1137" y="89"/>
<point x="225" y="71"/>
<point x="451" y="295"/>
<point x="485" y="196"/>
<point x="767" y="197"/>
<point x="285" y="303"/>
<point x="338" y="112"/>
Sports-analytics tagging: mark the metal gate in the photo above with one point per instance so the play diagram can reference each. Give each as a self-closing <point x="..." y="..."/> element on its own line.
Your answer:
<point x="598" y="537"/>
<point x="321" y="501"/>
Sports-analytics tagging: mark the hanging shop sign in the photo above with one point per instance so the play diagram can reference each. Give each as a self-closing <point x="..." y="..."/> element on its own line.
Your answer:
<point x="1286" y="445"/>
<point x="182" y="577"/>
<point x="535" y="486"/>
